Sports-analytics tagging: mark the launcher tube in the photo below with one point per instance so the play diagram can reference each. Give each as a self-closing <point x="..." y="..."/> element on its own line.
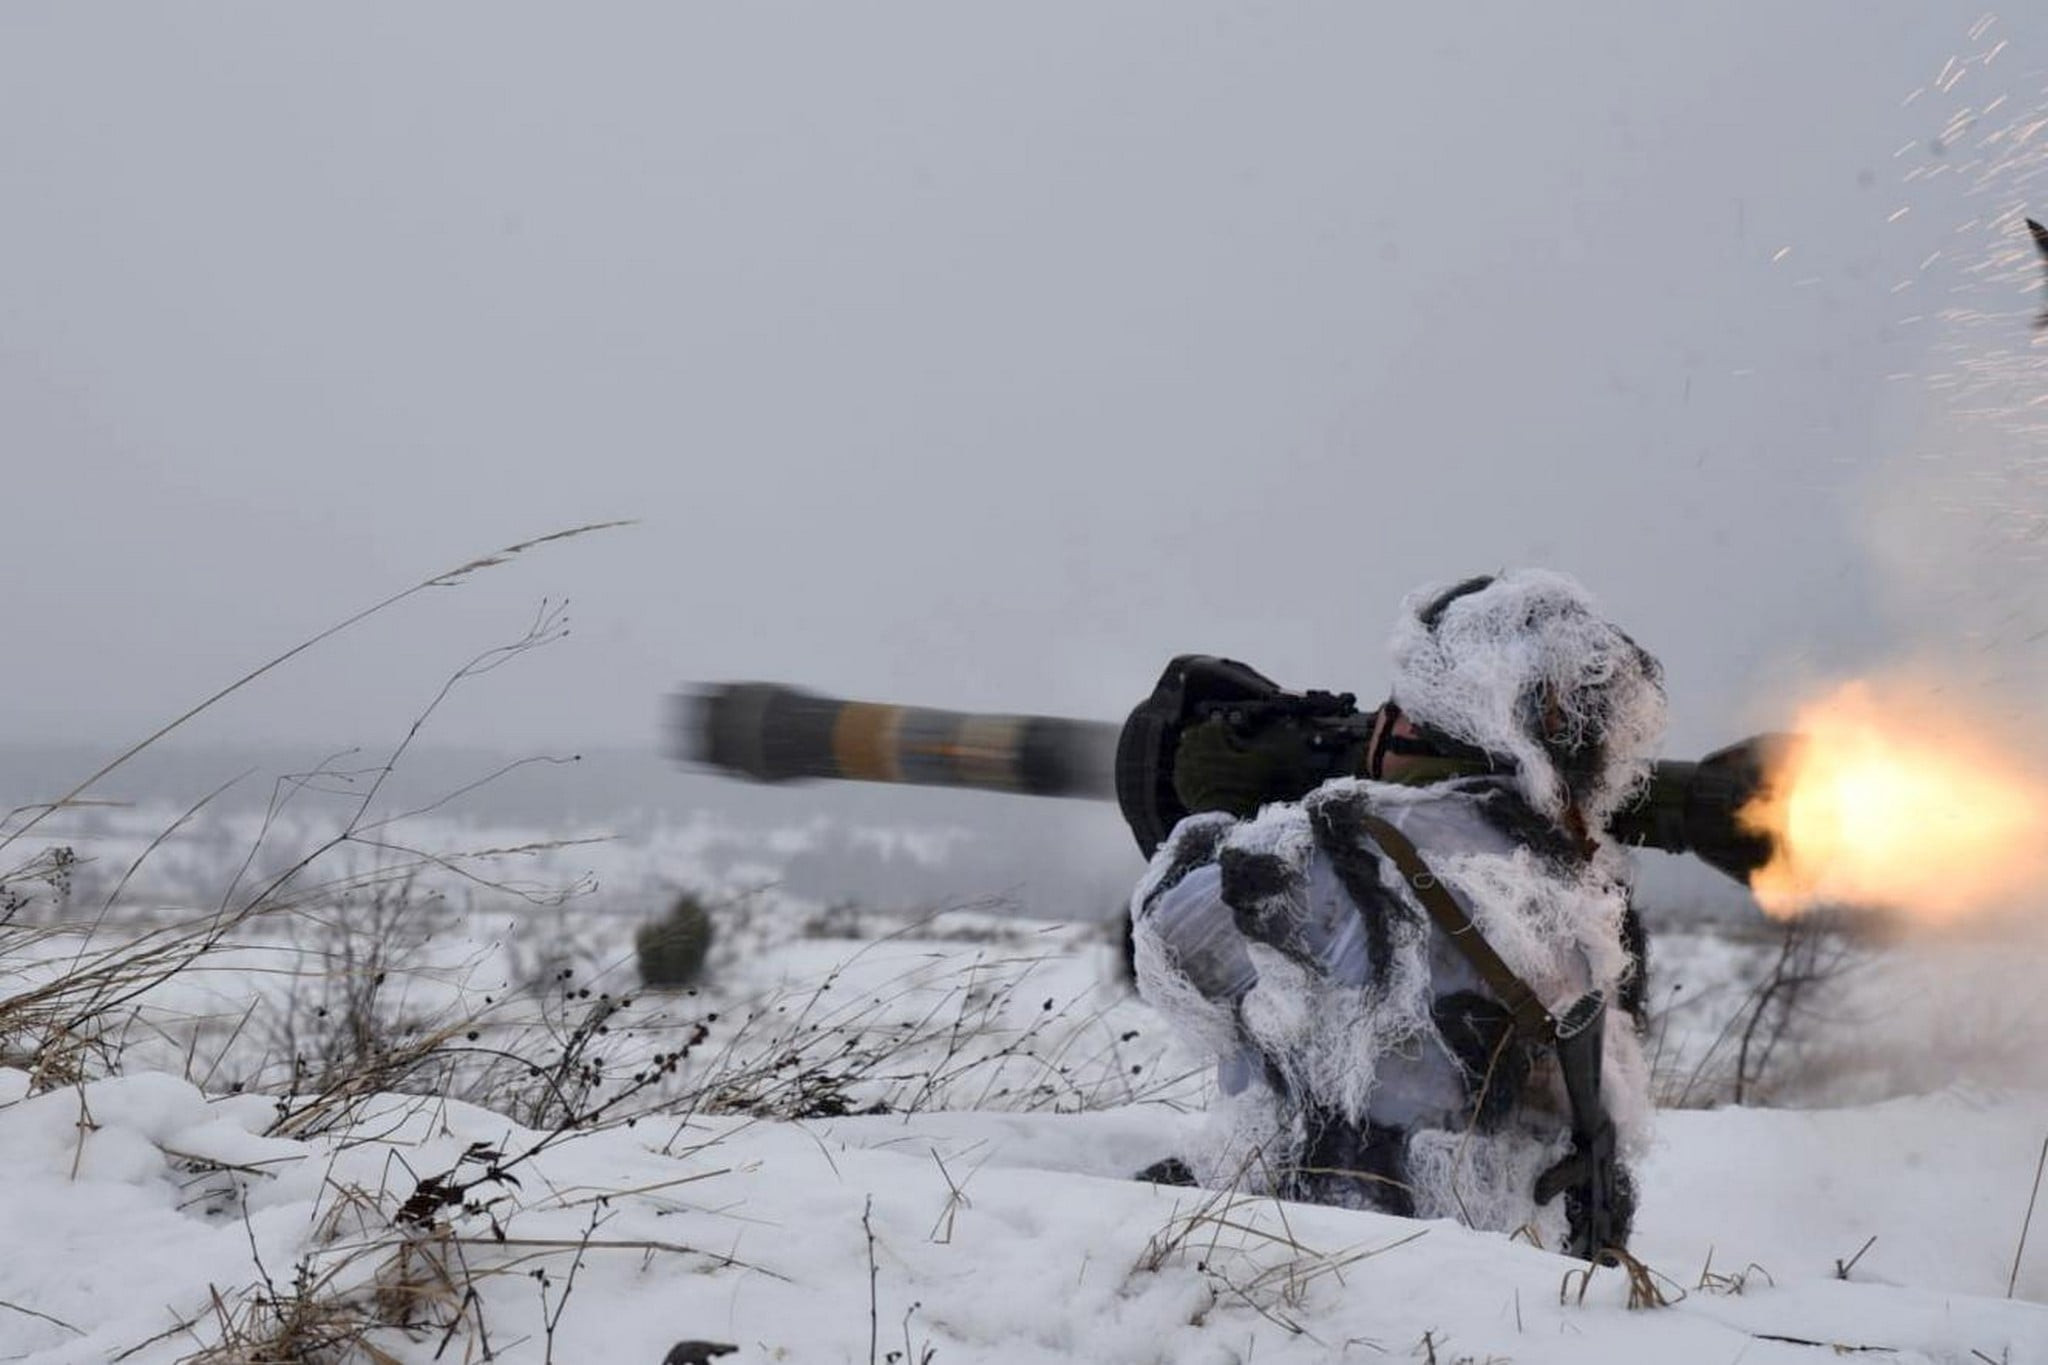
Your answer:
<point x="774" y="733"/>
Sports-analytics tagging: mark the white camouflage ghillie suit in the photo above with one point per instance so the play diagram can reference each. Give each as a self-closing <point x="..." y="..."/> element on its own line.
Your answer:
<point x="1361" y="1058"/>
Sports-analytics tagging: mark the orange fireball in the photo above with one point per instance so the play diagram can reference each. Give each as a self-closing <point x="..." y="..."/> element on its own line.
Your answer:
<point x="1892" y="807"/>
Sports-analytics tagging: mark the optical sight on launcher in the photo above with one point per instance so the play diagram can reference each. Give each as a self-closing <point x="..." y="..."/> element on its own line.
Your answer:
<point x="773" y="733"/>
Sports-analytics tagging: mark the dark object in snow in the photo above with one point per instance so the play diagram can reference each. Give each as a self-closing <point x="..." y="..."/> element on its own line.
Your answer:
<point x="672" y="949"/>
<point x="2041" y="241"/>
<point x="1168" y="1171"/>
<point x="697" y="1352"/>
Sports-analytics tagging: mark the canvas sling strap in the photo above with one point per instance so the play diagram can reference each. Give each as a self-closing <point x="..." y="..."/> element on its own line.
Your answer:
<point x="1589" y="1169"/>
<point x="1532" y="1021"/>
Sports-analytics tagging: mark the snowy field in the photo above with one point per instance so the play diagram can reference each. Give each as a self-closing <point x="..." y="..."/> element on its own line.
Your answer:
<point x="411" y="1104"/>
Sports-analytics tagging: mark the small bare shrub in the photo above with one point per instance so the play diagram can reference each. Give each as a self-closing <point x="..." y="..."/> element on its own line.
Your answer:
<point x="1764" y="1025"/>
<point x="348" y="1013"/>
<point x="672" y="950"/>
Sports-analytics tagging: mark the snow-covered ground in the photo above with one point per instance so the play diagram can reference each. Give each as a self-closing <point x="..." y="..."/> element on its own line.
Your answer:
<point x="868" y="1137"/>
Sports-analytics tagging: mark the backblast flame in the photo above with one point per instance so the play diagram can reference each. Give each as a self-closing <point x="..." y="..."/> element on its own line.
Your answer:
<point x="1879" y="807"/>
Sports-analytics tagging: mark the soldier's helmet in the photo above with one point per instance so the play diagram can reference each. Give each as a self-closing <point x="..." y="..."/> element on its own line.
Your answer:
<point x="1522" y="666"/>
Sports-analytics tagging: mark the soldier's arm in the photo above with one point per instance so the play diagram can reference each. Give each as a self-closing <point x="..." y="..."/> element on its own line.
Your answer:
<point x="1191" y="962"/>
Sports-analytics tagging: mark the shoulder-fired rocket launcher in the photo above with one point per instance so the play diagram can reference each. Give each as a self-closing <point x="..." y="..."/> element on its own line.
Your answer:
<point x="773" y="733"/>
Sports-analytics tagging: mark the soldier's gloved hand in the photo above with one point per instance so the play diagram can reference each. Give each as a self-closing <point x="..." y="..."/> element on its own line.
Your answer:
<point x="1216" y="768"/>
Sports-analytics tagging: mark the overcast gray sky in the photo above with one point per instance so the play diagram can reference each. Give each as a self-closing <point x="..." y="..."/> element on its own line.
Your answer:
<point x="986" y="356"/>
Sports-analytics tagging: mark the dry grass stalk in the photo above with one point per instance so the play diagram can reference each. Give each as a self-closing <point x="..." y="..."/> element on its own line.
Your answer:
<point x="1246" y="1247"/>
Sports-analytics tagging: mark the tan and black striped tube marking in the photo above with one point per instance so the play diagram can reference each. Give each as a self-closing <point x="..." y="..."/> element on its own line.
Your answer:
<point x="774" y="733"/>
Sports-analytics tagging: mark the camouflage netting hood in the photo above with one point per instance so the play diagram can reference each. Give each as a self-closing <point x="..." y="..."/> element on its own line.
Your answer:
<point x="1522" y="666"/>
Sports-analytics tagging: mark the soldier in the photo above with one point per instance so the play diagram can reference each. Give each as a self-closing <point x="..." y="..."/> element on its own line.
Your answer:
<point x="1404" y="985"/>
